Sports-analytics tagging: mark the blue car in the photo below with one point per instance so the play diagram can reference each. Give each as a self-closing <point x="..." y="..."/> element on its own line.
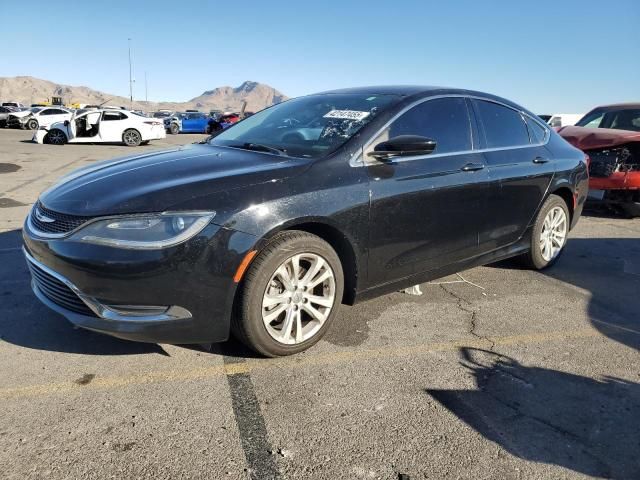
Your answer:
<point x="189" y="122"/>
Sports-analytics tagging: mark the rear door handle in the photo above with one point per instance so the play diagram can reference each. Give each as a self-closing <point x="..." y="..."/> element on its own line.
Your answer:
<point x="540" y="160"/>
<point x="472" y="167"/>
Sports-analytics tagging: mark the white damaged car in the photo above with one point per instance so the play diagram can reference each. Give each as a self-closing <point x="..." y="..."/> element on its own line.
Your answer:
<point x="103" y="126"/>
<point x="37" y="117"/>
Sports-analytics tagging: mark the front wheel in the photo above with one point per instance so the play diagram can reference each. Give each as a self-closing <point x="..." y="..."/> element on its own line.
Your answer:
<point x="549" y="234"/>
<point x="290" y="295"/>
<point x="56" y="137"/>
<point x="131" y="138"/>
<point x="32" y="124"/>
<point x="174" y="129"/>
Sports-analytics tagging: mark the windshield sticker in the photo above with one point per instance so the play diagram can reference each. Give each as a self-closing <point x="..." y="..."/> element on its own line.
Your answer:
<point x="347" y="115"/>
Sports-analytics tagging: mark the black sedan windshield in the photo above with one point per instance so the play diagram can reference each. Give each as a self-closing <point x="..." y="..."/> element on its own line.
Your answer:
<point x="309" y="127"/>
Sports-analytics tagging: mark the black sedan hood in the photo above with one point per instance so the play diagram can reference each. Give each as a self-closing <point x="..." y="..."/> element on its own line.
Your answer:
<point x="155" y="182"/>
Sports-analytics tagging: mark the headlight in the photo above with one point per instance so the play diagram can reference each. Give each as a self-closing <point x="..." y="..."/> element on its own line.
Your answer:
<point x="145" y="232"/>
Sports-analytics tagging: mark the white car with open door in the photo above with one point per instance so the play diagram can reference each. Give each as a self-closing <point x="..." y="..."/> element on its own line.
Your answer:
<point x="103" y="126"/>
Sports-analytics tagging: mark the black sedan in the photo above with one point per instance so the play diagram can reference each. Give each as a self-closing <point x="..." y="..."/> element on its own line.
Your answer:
<point x="265" y="229"/>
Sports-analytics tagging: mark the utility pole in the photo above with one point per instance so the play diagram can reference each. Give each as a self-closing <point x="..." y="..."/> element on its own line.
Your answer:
<point x="146" y="92"/>
<point x="130" y="77"/>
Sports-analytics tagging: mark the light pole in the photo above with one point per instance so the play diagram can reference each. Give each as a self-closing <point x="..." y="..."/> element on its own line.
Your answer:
<point x="130" y="77"/>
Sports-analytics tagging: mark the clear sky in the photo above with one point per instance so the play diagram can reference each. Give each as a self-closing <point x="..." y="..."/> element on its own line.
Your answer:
<point x="549" y="55"/>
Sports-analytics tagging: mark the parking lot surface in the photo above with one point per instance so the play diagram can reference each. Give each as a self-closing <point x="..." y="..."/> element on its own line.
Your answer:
<point x="497" y="372"/>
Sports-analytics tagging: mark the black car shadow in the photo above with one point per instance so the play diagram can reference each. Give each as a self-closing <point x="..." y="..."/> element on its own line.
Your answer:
<point x="552" y="417"/>
<point x="24" y="321"/>
<point x="607" y="269"/>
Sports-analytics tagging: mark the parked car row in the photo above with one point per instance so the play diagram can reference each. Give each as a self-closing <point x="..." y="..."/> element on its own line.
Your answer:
<point x="196" y="122"/>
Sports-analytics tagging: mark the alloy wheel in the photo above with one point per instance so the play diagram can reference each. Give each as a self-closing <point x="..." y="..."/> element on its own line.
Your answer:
<point x="56" y="137"/>
<point x="298" y="298"/>
<point x="131" y="137"/>
<point x="554" y="233"/>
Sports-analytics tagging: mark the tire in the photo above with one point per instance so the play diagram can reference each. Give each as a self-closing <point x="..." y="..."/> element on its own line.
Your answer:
<point x="631" y="209"/>
<point x="174" y="129"/>
<point x="263" y="283"/>
<point x="3" y="123"/>
<point x="131" y="137"/>
<point x="207" y="130"/>
<point x="32" y="124"/>
<point x="547" y="246"/>
<point x="56" y="137"/>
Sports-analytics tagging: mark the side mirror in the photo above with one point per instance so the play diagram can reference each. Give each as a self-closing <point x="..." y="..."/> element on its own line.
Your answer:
<point x="403" y="146"/>
<point x="66" y="123"/>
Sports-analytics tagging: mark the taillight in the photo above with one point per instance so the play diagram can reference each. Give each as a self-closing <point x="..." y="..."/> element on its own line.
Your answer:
<point x="153" y="123"/>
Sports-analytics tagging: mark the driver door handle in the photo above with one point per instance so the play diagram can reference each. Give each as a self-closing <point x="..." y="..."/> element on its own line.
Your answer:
<point x="472" y="167"/>
<point x="540" y="160"/>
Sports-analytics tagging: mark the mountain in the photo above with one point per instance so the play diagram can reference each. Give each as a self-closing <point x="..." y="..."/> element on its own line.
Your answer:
<point x="30" y="90"/>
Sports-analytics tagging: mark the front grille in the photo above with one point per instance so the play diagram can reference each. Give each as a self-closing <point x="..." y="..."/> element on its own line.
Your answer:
<point x="57" y="291"/>
<point x="62" y="223"/>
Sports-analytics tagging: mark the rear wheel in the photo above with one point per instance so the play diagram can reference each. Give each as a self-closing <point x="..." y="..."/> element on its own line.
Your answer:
<point x="131" y="138"/>
<point x="174" y="129"/>
<point x="56" y="137"/>
<point x="549" y="234"/>
<point x="32" y="124"/>
<point x="290" y="295"/>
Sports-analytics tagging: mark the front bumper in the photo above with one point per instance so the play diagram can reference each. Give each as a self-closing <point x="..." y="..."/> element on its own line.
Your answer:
<point x="17" y="122"/>
<point x="183" y="294"/>
<point x="616" y="181"/>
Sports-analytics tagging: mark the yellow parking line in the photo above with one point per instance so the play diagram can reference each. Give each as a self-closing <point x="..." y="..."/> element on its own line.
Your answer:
<point x="299" y="361"/>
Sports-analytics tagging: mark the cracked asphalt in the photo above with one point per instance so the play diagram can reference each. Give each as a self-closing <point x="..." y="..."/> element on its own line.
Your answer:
<point x="497" y="372"/>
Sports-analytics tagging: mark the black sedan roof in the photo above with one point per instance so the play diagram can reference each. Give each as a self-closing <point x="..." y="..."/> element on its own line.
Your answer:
<point x="404" y="90"/>
<point x="409" y="91"/>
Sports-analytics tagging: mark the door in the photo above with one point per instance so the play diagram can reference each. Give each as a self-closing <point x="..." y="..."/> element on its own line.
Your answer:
<point x="60" y="115"/>
<point x="49" y="116"/>
<point x="426" y="210"/>
<point x="112" y="125"/>
<point x="520" y="166"/>
<point x="194" y="123"/>
<point x="189" y="123"/>
<point x="84" y="128"/>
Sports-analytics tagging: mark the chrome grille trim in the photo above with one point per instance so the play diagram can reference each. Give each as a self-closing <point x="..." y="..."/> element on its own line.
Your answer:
<point x="57" y="288"/>
<point x="60" y="225"/>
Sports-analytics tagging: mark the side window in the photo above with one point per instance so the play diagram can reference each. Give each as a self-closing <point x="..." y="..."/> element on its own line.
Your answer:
<point x="109" y="116"/>
<point x="537" y="132"/>
<point x="56" y="111"/>
<point x="47" y="111"/>
<point x="503" y="126"/>
<point x="445" y="120"/>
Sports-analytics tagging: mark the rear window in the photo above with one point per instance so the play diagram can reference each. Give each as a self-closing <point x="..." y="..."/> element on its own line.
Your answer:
<point x="536" y="131"/>
<point x="503" y="126"/>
